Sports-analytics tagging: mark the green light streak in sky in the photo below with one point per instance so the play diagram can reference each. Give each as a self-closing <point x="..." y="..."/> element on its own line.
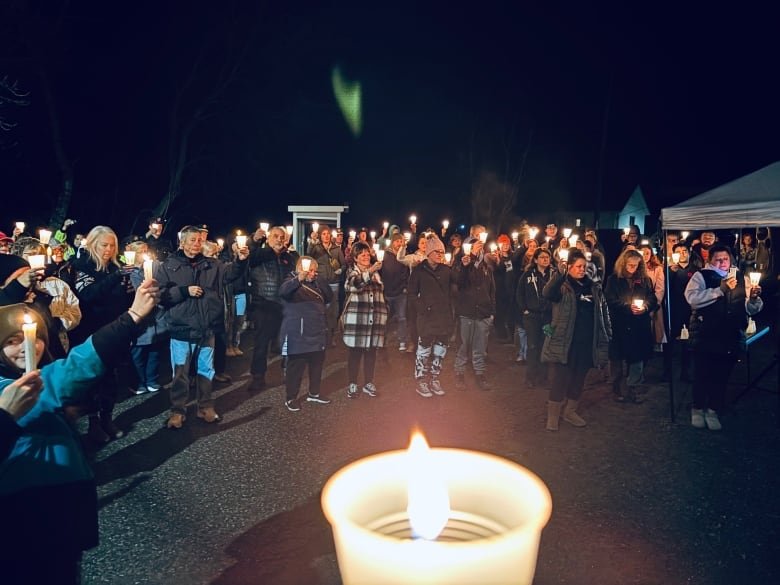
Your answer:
<point x="348" y="95"/>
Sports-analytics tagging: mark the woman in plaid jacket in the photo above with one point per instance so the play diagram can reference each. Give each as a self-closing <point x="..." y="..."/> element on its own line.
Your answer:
<point x="364" y="318"/>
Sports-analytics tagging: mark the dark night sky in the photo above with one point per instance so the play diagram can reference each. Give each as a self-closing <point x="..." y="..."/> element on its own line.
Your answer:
<point x="693" y="104"/>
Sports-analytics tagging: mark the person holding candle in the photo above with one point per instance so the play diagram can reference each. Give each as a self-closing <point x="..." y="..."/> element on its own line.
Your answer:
<point x="535" y="312"/>
<point x="269" y="264"/>
<point x="364" y="319"/>
<point x="747" y="252"/>
<point x="577" y="338"/>
<point x="507" y="270"/>
<point x="331" y="265"/>
<point x="193" y="293"/>
<point x="304" y="329"/>
<point x="431" y="303"/>
<point x="105" y="292"/>
<point x="5" y="243"/>
<point x="721" y="301"/>
<point x="395" y="276"/>
<point x="47" y="489"/>
<point x="657" y="276"/>
<point x="16" y="279"/>
<point x="632" y="300"/>
<point x="159" y="246"/>
<point x="681" y="270"/>
<point x="475" y="308"/>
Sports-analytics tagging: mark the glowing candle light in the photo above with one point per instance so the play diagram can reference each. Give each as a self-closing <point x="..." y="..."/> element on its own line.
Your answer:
<point x="445" y="224"/>
<point x="48" y="254"/>
<point x="493" y="247"/>
<point x="533" y="231"/>
<point x="29" y="329"/>
<point x="645" y="242"/>
<point x="467" y="248"/>
<point x="352" y="234"/>
<point x="375" y="247"/>
<point x="516" y="235"/>
<point x="566" y="232"/>
<point x="675" y="257"/>
<point x="387" y="243"/>
<point x="44" y="236"/>
<point x="577" y="222"/>
<point x="380" y="255"/>
<point x="563" y="254"/>
<point x="221" y="242"/>
<point x="289" y="229"/>
<point x="755" y="278"/>
<point x="412" y="219"/>
<point x="305" y="264"/>
<point x="626" y="230"/>
<point x="386" y="224"/>
<point x="240" y="239"/>
<point x="129" y="257"/>
<point x="315" y="227"/>
<point x="448" y="257"/>
<point x="37" y="261"/>
<point x="20" y="225"/>
<point x="639" y="303"/>
<point x="372" y="233"/>
<point x="573" y="240"/>
<point x="483" y="237"/>
<point x="470" y="517"/>
<point x="407" y="236"/>
<point x="148" y="268"/>
<point x="264" y="225"/>
<point x="685" y="235"/>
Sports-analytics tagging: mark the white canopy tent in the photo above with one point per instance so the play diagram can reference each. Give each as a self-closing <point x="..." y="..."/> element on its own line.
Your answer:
<point x="752" y="200"/>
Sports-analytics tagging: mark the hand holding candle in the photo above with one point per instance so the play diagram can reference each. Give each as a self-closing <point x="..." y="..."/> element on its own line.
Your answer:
<point x="675" y="257"/>
<point x="29" y="329"/>
<point x="755" y="278"/>
<point x="637" y="305"/>
<point x="380" y="255"/>
<point x="36" y="261"/>
<point x="240" y="240"/>
<point x="44" y="236"/>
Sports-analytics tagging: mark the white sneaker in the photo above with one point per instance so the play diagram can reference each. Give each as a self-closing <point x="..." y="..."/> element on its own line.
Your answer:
<point x="697" y="418"/>
<point x="370" y="389"/>
<point x="712" y="420"/>
<point x="352" y="391"/>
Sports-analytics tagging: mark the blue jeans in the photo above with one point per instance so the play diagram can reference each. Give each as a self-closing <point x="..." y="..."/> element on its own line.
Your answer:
<point x="146" y="360"/>
<point x="473" y="344"/>
<point x="397" y="307"/>
<point x="182" y="354"/>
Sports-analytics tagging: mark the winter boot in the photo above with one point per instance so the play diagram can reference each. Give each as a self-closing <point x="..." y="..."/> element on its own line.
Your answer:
<point x="95" y="432"/>
<point x="553" y="414"/>
<point x="107" y="422"/>
<point x="570" y="414"/>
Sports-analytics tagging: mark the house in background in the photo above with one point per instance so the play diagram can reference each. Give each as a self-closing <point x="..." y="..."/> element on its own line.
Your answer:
<point x="634" y="212"/>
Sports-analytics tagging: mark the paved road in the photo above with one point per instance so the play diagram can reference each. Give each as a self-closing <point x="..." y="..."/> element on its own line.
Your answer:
<point x="636" y="499"/>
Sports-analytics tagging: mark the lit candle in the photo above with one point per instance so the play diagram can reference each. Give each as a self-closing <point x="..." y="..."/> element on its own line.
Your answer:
<point x="129" y="257"/>
<point x="573" y="240"/>
<point x="588" y="256"/>
<point x="577" y="222"/>
<point x="289" y="229"/>
<point x="264" y="225"/>
<point x="626" y="230"/>
<point x="563" y="254"/>
<point x="386" y="224"/>
<point x="407" y="236"/>
<point x="48" y="254"/>
<point x="639" y="303"/>
<point x="412" y="219"/>
<point x="566" y="232"/>
<point x="448" y="257"/>
<point x="29" y="328"/>
<point x="305" y="264"/>
<point x="375" y="247"/>
<point x="37" y="261"/>
<point x="467" y="248"/>
<point x="493" y="247"/>
<point x="445" y="224"/>
<point x="516" y="235"/>
<point x="148" y="268"/>
<point x="380" y="255"/>
<point x="675" y="257"/>
<point x="44" y="236"/>
<point x="533" y="231"/>
<point x="685" y="235"/>
<point x="315" y="226"/>
<point x="387" y="243"/>
<point x="483" y="237"/>
<point x="645" y="242"/>
<point x="372" y="233"/>
<point x="221" y="242"/>
<point x="240" y="239"/>
<point x="755" y="278"/>
<point x="547" y="239"/>
<point x="20" y="226"/>
<point x="483" y="526"/>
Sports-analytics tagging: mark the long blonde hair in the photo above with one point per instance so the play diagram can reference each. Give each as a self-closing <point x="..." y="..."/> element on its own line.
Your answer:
<point x="620" y="264"/>
<point x="91" y="246"/>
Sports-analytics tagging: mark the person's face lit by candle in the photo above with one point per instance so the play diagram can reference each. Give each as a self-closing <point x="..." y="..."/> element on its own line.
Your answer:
<point x="363" y="260"/>
<point x="141" y="252"/>
<point x="276" y="239"/>
<point x="13" y="350"/>
<point x="191" y="244"/>
<point x="106" y="247"/>
<point x="531" y="245"/>
<point x="578" y="268"/>
<point x="646" y="254"/>
<point x="684" y="256"/>
<point x="326" y="236"/>
<point x="632" y="264"/>
<point x="543" y="261"/>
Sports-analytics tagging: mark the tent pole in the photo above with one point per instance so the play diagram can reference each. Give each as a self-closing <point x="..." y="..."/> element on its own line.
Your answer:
<point x="670" y="339"/>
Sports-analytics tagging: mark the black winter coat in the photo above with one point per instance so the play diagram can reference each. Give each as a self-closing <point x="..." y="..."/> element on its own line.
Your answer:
<point x="430" y="297"/>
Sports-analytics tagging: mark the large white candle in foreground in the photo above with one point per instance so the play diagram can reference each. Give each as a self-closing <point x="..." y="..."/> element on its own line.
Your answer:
<point x="490" y="533"/>
<point x="29" y="328"/>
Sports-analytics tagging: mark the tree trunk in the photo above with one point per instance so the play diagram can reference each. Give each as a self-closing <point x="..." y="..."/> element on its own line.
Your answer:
<point x="61" y="206"/>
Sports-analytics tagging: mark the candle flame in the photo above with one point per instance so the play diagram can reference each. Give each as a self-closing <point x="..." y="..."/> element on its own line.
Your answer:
<point x="27" y="319"/>
<point x="429" y="503"/>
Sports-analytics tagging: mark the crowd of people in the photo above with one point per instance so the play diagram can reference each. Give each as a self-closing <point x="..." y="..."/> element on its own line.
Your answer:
<point x="109" y="313"/>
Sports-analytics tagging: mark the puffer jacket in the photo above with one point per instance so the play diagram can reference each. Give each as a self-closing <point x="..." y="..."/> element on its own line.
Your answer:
<point x="189" y="318"/>
<point x="304" y="328"/>
<point x="564" y="314"/>
<point x="430" y="297"/>
<point x="267" y="271"/>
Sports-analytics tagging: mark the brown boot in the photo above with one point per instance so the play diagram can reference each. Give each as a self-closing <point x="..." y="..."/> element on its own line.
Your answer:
<point x="208" y="414"/>
<point x="570" y="414"/>
<point x="553" y="414"/>
<point x="176" y="420"/>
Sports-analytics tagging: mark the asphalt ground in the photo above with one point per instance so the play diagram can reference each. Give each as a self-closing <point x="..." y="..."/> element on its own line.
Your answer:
<point x="637" y="499"/>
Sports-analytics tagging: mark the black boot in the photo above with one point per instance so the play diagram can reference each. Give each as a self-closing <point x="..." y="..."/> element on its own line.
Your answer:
<point x="95" y="433"/>
<point x="107" y="424"/>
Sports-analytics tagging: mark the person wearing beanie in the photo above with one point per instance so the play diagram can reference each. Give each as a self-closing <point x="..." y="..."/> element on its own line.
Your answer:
<point x="47" y="489"/>
<point x="430" y="301"/>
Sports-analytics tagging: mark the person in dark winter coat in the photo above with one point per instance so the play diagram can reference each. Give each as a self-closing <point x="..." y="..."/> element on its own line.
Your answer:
<point x="395" y="276"/>
<point x="192" y="292"/>
<point x="269" y="264"/>
<point x="332" y="265"/>
<point x="721" y="299"/>
<point x="304" y="330"/>
<point x="535" y="312"/>
<point x="632" y="300"/>
<point x="104" y="292"/>
<point x="475" y="307"/>
<point x="430" y="296"/>
<point x="16" y="279"/>
<point x="680" y="274"/>
<point x="364" y="318"/>
<point x="47" y="488"/>
<point x="578" y="337"/>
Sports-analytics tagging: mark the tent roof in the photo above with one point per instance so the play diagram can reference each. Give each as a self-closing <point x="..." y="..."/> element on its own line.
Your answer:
<point x="750" y="200"/>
